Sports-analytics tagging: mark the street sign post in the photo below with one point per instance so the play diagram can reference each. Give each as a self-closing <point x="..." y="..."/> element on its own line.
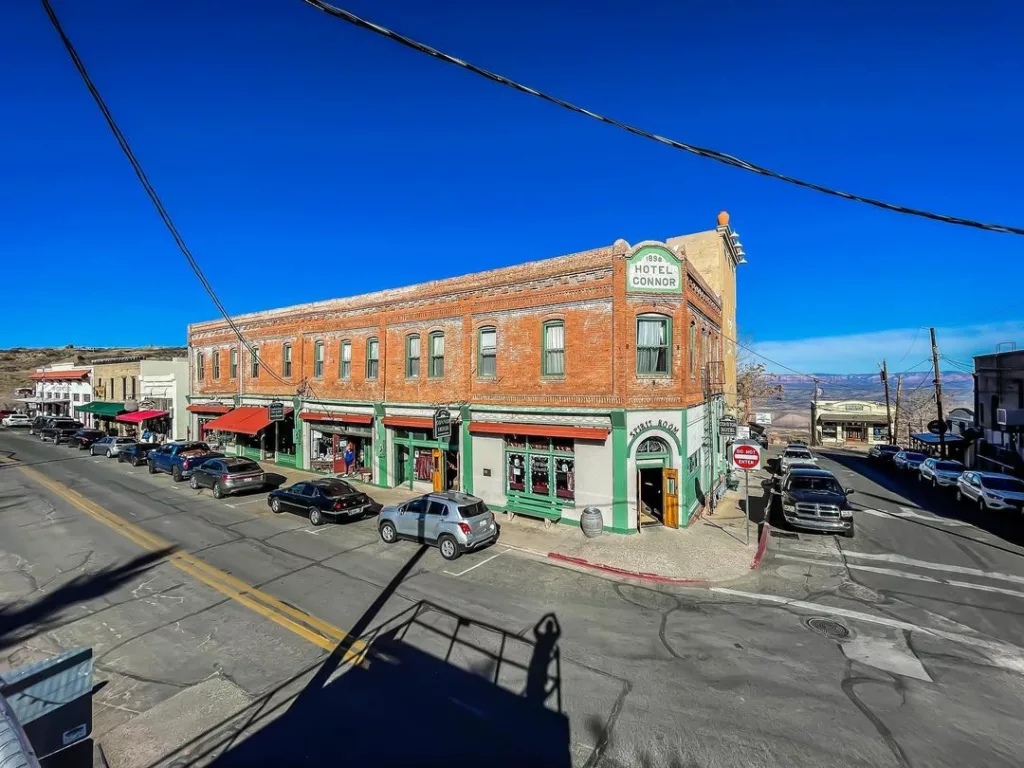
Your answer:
<point x="727" y="427"/>
<point x="747" y="457"/>
<point x="276" y="411"/>
<point x="936" y="427"/>
<point x="442" y="424"/>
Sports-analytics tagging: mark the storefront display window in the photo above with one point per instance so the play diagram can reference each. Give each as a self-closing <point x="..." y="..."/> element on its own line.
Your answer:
<point x="419" y="456"/>
<point x="531" y="462"/>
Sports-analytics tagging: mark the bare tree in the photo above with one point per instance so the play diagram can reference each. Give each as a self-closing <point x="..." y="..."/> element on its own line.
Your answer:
<point x="753" y="385"/>
<point x="916" y="409"/>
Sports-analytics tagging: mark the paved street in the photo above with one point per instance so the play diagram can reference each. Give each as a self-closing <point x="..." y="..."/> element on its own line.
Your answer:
<point x="226" y="634"/>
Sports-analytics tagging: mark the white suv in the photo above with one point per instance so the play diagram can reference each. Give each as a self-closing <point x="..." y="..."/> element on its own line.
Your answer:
<point x="991" y="490"/>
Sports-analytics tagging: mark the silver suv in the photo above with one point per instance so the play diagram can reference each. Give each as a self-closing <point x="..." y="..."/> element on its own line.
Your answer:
<point x="451" y="521"/>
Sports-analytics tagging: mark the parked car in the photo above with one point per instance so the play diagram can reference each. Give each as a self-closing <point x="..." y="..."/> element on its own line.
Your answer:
<point x="135" y="453"/>
<point x="179" y="458"/>
<point x="940" y="472"/>
<point x="17" y="420"/>
<point x="991" y="490"/>
<point x="228" y="475"/>
<point x="884" y="452"/>
<point x="83" y="438"/>
<point x="110" y="446"/>
<point x="59" y="430"/>
<point x="38" y="423"/>
<point x="322" y="499"/>
<point x="794" y="455"/>
<point x="453" y="522"/>
<point x="909" y="460"/>
<point x="814" y="499"/>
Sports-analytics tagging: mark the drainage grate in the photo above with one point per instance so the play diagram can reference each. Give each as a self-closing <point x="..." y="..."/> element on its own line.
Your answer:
<point x="828" y="628"/>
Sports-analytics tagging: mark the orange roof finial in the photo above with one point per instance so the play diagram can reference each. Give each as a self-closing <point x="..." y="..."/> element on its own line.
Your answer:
<point x="723" y="218"/>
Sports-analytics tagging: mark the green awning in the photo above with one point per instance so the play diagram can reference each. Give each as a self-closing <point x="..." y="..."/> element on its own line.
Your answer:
<point x="101" y="409"/>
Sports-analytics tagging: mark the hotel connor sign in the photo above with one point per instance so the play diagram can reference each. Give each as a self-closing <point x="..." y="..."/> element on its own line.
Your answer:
<point x="654" y="269"/>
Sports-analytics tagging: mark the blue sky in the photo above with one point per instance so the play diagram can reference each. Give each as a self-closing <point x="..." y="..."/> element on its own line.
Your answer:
<point x="305" y="159"/>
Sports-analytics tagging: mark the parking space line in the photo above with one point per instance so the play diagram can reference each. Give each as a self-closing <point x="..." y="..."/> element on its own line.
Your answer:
<point x="250" y="501"/>
<point x="482" y="562"/>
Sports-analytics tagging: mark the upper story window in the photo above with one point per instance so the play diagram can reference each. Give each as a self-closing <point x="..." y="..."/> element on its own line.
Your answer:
<point x="436" y="355"/>
<point x="345" y="364"/>
<point x="200" y="366"/>
<point x="693" y="349"/>
<point x="412" y="356"/>
<point x="216" y="368"/>
<point x="124" y="387"/>
<point x="133" y="387"/>
<point x="487" y="358"/>
<point x="286" y="361"/>
<point x="553" y="360"/>
<point x="653" y="342"/>
<point x="318" y="360"/>
<point x="234" y="363"/>
<point x="372" y="358"/>
<point x="254" y="362"/>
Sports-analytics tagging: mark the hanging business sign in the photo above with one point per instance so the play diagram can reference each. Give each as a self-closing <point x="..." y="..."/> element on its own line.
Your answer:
<point x="654" y="269"/>
<point x="727" y="427"/>
<point x="276" y="411"/>
<point x="442" y="424"/>
<point x="763" y="419"/>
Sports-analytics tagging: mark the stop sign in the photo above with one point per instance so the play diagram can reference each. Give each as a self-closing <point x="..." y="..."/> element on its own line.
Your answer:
<point x="746" y="457"/>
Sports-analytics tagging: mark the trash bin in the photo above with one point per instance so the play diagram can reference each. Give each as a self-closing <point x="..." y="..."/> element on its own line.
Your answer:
<point x="592" y="522"/>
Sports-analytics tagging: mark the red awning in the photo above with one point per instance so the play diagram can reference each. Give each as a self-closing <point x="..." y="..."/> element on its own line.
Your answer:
<point x="348" y="418"/>
<point x="137" y="417"/>
<point x="50" y="375"/>
<point x="246" y="420"/>
<point x="408" y="421"/>
<point x="538" y="430"/>
<point x="196" y="408"/>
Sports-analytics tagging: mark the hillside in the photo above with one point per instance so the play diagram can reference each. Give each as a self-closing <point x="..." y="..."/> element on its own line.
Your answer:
<point x="19" y="363"/>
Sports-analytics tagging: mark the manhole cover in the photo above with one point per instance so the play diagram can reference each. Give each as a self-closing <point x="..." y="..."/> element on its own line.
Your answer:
<point x="828" y="628"/>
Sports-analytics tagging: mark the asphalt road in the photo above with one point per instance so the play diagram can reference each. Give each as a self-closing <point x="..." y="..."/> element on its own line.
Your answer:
<point x="226" y="634"/>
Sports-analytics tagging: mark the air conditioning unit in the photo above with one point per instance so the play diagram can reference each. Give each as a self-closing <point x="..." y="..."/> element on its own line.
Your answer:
<point x="1010" y="417"/>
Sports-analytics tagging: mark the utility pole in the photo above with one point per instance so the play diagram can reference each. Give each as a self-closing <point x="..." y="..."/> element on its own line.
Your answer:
<point x="888" y="410"/>
<point x="814" y="416"/>
<point x="896" y="420"/>
<point x="938" y="395"/>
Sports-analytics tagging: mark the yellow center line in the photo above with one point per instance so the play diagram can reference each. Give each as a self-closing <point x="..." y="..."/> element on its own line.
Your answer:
<point x="316" y="631"/>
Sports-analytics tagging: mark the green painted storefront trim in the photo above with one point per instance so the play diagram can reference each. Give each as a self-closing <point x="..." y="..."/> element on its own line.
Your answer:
<point x="297" y="426"/>
<point x="620" y="467"/>
<point x="685" y="498"/>
<point x="563" y="520"/>
<point x="380" y="443"/>
<point x="466" y="447"/>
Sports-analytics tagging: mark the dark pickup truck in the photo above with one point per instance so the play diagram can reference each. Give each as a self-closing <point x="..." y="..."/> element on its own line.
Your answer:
<point x="814" y="500"/>
<point x="179" y="458"/>
<point x="60" y="430"/>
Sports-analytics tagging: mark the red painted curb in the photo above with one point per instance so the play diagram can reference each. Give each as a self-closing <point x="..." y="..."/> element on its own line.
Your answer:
<point x="762" y="546"/>
<point x="579" y="561"/>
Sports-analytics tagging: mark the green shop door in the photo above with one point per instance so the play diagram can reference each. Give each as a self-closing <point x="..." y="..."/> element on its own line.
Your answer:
<point x="403" y="465"/>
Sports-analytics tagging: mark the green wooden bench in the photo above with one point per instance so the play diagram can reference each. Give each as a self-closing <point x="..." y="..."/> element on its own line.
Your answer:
<point x="522" y="505"/>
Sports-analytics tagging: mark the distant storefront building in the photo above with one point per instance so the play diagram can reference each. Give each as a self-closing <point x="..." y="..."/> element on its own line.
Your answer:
<point x="59" y="389"/>
<point x="849" y="422"/>
<point x="595" y="379"/>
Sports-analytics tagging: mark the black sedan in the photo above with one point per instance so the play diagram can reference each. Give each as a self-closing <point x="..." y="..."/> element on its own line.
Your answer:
<point x="135" y="454"/>
<point x="227" y="475"/>
<point x="83" y="438"/>
<point x="322" y="499"/>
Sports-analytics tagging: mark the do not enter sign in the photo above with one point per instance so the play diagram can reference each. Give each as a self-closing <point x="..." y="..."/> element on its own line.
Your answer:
<point x="746" y="457"/>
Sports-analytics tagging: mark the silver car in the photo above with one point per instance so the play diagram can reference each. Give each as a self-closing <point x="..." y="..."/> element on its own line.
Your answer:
<point x="110" y="446"/>
<point x="991" y="490"/>
<point x="451" y="521"/>
<point x="940" y="472"/>
<point x="795" y="455"/>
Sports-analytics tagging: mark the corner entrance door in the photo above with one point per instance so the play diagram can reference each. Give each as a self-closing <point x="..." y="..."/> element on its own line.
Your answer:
<point x="670" y="497"/>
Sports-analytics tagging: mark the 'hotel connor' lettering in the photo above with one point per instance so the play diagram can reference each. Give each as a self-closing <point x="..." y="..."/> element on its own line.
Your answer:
<point x="654" y="269"/>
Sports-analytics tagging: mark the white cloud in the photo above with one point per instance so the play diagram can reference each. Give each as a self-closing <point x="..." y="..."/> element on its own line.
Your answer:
<point x="902" y="347"/>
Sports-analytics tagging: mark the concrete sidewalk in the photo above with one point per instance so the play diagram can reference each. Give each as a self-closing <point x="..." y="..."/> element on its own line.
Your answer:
<point x="712" y="549"/>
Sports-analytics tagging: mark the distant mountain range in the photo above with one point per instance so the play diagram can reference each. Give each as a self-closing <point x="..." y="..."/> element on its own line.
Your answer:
<point x="869" y="380"/>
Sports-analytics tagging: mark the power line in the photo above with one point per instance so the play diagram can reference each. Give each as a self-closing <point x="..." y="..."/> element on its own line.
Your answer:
<point x="911" y="347"/>
<point x="711" y="154"/>
<point x="122" y="142"/>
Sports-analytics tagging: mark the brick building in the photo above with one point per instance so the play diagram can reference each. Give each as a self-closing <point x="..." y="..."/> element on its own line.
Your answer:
<point x="594" y="379"/>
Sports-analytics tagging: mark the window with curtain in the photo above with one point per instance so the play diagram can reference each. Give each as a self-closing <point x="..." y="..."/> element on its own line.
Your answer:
<point x="345" y="366"/>
<point x="436" y="355"/>
<point x="254" y="362"/>
<point x="652" y="344"/>
<point x="487" y="364"/>
<point x="286" y="361"/>
<point x="554" y="348"/>
<point x="234" y="363"/>
<point x="200" y="367"/>
<point x="412" y="356"/>
<point x="372" y="359"/>
<point x="216" y="371"/>
<point x="318" y="360"/>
